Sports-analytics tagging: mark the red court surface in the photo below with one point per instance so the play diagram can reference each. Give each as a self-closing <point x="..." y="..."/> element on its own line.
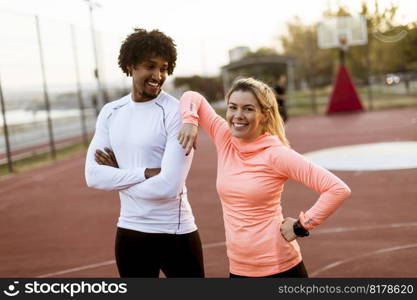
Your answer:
<point x="52" y="225"/>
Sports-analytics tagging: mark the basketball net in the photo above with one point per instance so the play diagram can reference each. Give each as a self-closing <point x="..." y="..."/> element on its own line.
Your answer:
<point x="343" y="44"/>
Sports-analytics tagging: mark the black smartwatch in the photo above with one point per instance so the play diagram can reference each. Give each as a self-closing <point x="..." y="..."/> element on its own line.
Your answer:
<point x="299" y="230"/>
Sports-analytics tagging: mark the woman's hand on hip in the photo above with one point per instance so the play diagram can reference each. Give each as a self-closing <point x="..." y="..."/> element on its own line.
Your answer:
<point x="287" y="229"/>
<point x="188" y="137"/>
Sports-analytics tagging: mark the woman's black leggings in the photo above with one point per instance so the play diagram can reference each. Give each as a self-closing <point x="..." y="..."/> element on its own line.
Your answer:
<point x="140" y="254"/>
<point x="299" y="271"/>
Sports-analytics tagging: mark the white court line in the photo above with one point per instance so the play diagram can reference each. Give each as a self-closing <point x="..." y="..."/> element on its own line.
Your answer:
<point x="360" y="228"/>
<point x="341" y="262"/>
<point x="214" y="245"/>
<point x="110" y="262"/>
<point x="218" y="244"/>
<point x="105" y="263"/>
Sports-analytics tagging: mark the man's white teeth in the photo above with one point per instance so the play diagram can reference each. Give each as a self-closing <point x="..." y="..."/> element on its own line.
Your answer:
<point x="153" y="84"/>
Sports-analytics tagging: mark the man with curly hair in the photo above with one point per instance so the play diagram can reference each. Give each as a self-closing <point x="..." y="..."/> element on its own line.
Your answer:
<point x="135" y="151"/>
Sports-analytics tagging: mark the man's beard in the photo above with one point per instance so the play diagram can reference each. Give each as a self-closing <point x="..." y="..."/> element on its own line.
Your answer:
<point x="150" y="96"/>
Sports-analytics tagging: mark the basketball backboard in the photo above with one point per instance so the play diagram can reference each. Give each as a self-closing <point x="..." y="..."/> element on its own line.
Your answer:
<point x="338" y="32"/>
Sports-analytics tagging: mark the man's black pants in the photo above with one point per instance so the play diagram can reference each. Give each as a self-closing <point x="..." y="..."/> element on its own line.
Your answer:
<point x="140" y="254"/>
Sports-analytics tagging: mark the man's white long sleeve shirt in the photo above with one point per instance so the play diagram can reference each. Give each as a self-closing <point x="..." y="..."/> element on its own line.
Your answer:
<point x="144" y="135"/>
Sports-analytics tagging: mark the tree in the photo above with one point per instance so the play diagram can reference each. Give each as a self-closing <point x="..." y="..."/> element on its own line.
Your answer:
<point x="210" y="87"/>
<point x="262" y="51"/>
<point x="313" y="66"/>
<point x="374" y="59"/>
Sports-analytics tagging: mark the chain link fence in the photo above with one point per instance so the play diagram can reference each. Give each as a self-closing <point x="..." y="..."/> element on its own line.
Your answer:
<point x="48" y="84"/>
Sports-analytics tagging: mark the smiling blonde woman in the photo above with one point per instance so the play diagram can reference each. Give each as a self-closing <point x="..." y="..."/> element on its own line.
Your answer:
<point x="254" y="162"/>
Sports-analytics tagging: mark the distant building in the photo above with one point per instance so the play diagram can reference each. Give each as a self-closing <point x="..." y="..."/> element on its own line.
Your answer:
<point x="263" y="67"/>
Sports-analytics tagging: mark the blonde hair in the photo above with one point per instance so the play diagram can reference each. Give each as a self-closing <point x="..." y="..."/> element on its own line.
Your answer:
<point x="266" y="98"/>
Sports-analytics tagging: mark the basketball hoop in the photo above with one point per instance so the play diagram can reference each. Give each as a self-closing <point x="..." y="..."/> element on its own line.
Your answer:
<point x="343" y="44"/>
<point x="342" y="32"/>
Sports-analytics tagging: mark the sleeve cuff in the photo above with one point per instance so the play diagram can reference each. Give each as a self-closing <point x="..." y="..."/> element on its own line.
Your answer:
<point x="306" y="221"/>
<point x="141" y="173"/>
<point x="190" y="119"/>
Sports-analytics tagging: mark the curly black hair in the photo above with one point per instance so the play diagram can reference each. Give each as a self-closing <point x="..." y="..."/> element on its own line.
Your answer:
<point x="142" y="45"/>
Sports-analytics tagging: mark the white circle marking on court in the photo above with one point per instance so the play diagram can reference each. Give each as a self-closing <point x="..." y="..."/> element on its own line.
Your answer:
<point x="367" y="157"/>
<point x="373" y="253"/>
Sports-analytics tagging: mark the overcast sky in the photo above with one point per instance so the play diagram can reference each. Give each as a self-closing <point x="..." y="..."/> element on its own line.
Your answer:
<point x="204" y="30"/>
